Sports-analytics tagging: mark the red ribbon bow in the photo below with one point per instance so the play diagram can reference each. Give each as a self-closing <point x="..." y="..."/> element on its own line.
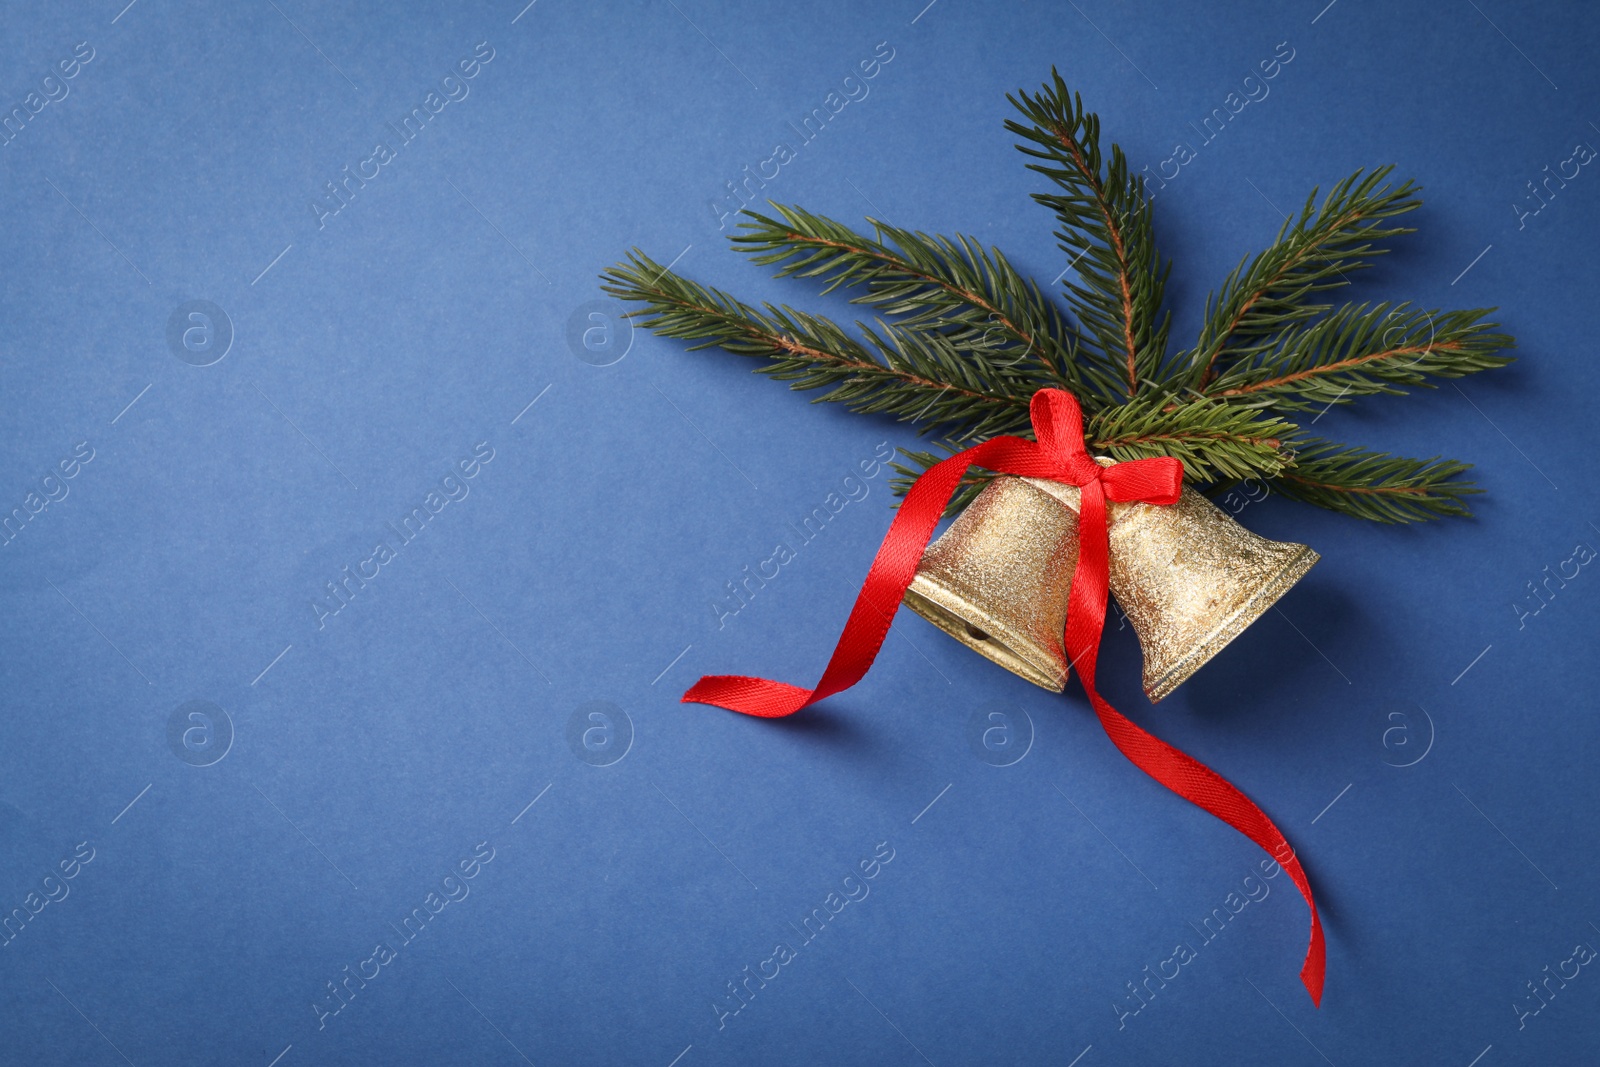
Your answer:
<point x="1059" y="455"/>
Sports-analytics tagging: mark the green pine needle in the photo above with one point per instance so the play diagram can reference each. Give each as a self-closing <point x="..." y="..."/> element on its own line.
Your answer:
<point x="1313" y="253"/>
<point x="950" y="286"/>
<point x="907" y="374"/>
<point x="1106" y="232"/>
<point x="1372" y="485"/>
<point x="1215" y="441"/>
<point x="1358" y="350"/>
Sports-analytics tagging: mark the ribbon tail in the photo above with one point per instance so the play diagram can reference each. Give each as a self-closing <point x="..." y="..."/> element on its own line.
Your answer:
<point x="892" y="571"/>
<point x="754" y="696"/>
<point x="1206" y="789"/>
<point x="1178" y="771"/>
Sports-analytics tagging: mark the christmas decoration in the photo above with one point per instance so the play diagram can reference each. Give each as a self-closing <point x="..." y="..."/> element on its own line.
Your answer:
<point x="1083" y="427"/>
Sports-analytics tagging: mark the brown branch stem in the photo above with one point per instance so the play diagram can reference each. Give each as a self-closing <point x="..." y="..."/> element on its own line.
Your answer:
<point x="1337" y="365"/>
<point x="1117" y="248"/>
<point x="1233" y="324"/>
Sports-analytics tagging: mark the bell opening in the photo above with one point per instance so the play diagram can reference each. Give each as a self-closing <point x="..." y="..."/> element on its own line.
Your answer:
<point x="949" y="619"/>
<point x="1291" y="571"/>
<point x="997" y="579"/>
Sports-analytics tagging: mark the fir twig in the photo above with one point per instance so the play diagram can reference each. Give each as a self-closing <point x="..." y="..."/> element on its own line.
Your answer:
<point x="1372" y="485"/>
<point x="1106" y="231"/>
<point x="1313" y="252"/>
<point x="1214" y="440"/>
<point x="906" y="374"/>
<point x="1360" y="350"/>
<point x="953" y="286"/>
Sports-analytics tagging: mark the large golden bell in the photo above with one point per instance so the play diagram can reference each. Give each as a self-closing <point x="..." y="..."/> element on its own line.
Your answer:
<point x="997" y="579"/>
<point x="1189" y="579"/>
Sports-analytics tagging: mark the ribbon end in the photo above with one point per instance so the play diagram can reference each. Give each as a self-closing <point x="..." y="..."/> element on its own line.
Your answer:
<point x="1315" y="969"/>
<point x="696" y="693"/>
<point x="748" y="696"/>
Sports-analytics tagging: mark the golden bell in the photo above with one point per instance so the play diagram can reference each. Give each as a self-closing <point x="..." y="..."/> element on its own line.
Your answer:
<point x="997" y="579"/>
<point x="1189" y="579"/>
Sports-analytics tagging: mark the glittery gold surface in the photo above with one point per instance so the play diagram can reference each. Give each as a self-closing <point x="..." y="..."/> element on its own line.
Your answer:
<point x="997" y="579"/>
<point x="1190" y="579"/>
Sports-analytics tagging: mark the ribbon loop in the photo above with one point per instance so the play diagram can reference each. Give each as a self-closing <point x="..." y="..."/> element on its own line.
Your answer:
<point x="1058" y="454"/>
<point x="1058" y="428"/>
<point x="1150" y="480"/>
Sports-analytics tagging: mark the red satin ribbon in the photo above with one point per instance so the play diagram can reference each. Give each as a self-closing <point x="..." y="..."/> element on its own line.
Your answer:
<point x="1059" y="455"/>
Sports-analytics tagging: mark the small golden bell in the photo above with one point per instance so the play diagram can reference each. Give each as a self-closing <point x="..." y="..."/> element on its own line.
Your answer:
<point x="997" y="579"/>
<point x="1190" y="579"/>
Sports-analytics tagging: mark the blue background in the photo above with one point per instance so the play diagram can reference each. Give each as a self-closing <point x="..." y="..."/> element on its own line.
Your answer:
<point x="376" y="347"/>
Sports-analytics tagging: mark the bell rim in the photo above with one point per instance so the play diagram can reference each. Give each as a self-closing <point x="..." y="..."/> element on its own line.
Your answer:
<point x="1294" y="568"/>
<point x="1003" y="653"/>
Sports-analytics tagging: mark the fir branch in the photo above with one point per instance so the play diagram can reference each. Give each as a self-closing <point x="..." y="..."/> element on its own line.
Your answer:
<point x="1214" y="440"/>
<point x="1360" y="350"/>
<point x="949" y="285"/>
<point x="907" y="374"/>
<point x="1106" y="231"/>
<point x="966" y="340"/>
<point x="1313" y="252"/>
<point x="1373" y="485"/>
